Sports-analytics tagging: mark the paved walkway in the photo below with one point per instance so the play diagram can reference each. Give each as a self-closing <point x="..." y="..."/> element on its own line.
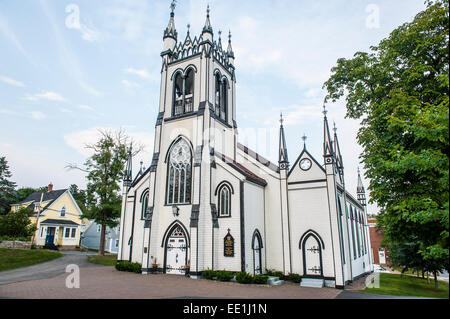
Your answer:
<point x="106" y="283"/>
<point x="45" y="270"/>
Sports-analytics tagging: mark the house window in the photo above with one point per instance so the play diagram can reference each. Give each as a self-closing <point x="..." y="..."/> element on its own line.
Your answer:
<point x="62" y="213"/>
<point x="67" y="235"/>
<point x="224" y="201"/>
<point x="179" y="173"/>
<point x="42" y="232"/>
<point x="221" y="97"/>
<point x="117" y="243"/>
<point x="74" y="232"/>
<point x="183" y="93"/>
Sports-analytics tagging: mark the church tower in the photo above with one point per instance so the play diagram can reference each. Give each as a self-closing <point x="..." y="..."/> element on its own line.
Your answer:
<point x="196" y="123"/>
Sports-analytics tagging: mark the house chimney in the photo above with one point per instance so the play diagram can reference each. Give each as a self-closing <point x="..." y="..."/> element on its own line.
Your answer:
<point x="50" y="187"/>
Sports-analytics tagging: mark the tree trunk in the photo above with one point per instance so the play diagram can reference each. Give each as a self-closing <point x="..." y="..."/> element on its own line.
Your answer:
<point x="423" y="274"/>
<point x="428" y="277"/>
<point x="101" y="250"/>
<point x="436" y="282"/>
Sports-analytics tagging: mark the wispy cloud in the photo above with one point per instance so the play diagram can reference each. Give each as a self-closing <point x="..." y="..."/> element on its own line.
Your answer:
<point x="10" y="81"/>
<point x="51" y="96"/>
<point x="6" y="30"/>
<point x="141" y="73"/>
<point x="129" y="84"/>
<point x="38" y="115"/>
<point x="85" y="107"/>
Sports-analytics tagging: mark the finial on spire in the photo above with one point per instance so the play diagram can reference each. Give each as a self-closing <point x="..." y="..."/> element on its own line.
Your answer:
<point x="207" y="27"/>
<point x="207" y="11"/>
<point x="325" y="112"/>
<point x="281" y="119"/>
<point x="229" y="37"/>
<point x="304" y="138"/>
<point x="173" y="5"/>
<point x="334" y="127"/>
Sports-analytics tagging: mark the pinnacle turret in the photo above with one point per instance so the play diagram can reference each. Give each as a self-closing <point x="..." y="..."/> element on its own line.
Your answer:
<point x="283" y="159"/>
<point x="208" y="28"/>
<point x="171" y="31"/>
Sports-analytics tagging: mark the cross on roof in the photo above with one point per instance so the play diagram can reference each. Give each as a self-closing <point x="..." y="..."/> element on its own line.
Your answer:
<point x="304" y="138"/>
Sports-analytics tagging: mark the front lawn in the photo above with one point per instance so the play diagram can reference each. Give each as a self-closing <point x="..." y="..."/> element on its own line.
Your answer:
<point x="397" y="285"/>
<point x="107" y="260"/>
<point x="17" y="258"/>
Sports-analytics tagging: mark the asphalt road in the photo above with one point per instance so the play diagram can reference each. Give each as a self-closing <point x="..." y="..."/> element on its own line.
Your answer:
<point x="46" y="270"/>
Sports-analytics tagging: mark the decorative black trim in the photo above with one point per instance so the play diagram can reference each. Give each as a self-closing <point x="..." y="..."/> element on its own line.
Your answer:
<point x="224" y="183"/>
<point x="214" y="216"/>
<point x="154" y="164"/>
<point x="302" y="247"/>
<point x="182" y="116"/>
<point x="194" y="216"/>
<point x="256" y="233"/>
<point x="300" y="157"/>
<point x="242" y="226"/>
<point x="171" y="228"/>
<point x="160" y="119"/>
<point x="307" y="233"/>
<point x="308" y="182"/>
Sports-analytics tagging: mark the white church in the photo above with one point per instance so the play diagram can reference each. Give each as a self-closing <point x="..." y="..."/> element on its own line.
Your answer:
<point x="208" y="202"/>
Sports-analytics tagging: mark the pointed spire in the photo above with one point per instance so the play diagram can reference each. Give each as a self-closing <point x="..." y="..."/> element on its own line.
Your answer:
<point x="207" y="27"/>
<point x="230" y="48"/>
<point x="171" y="30"/>
<point x="304" y="138"/>
<point x="338" y="150"/>
<point x="128" y="177"/>
<point x="361" y="192"/>
<point x="188" y="36"/>
<point x="283" y="160"/>
<point x="327" y="145"/>
<point x="219" y="42"/>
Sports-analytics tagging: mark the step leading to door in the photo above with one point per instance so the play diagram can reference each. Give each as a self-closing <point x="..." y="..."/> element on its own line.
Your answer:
<point x="312" y="283"/>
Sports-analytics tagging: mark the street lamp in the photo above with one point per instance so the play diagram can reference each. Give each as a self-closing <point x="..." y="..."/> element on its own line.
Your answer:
<point x="175" y="211"/>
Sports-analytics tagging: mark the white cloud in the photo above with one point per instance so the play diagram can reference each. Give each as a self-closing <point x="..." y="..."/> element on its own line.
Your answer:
<point x="142" y="73"/>
<point x="38" y="115"/>
<point x="85" y="107"/>
<point x="51" y="96"/>
<point x="10" y="81"/>
<point x="129" y="84"/>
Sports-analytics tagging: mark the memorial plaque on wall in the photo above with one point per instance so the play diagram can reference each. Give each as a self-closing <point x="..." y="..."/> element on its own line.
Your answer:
<point x="228" y="245"/>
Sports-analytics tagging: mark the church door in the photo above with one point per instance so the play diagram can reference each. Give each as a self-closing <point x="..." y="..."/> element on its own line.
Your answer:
<point x="312" y="257"/>
<point x="176" y="252"/>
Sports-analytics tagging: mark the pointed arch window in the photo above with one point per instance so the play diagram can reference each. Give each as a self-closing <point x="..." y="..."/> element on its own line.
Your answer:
<point x="144" y="201"/>
<point x="221" y="97"/>
<point x="224" y="201"/>
<point x="179" y="175"/>
<point x="183" y="93"/>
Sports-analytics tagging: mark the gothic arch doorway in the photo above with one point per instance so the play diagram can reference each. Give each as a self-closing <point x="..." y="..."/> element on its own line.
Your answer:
<point x="175" y="251"/>
<point x="312" y="245"/>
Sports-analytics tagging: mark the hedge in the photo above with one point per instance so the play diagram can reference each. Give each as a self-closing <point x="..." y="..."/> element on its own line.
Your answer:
<point x="260" y="279"/>
<point x="209" y="274"/>
<point x="224" y="275"/>
<point x="129" y="267"/>
<point x="244" y="278"/>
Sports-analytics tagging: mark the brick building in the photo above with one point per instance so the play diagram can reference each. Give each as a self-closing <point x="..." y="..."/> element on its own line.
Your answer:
<point x="380" y="254"/>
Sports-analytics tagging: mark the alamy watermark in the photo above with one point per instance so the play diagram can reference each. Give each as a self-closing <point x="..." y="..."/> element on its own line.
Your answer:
<point x="373" y="18"/>
<point x="373" y="280"/>
<point x="73" y="280"/>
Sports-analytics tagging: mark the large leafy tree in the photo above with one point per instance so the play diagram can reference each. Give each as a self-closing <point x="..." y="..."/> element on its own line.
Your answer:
<point x="400" y="91"/>
<point x="7" y="187"/>
<point x="105" y="170"/>
<point x="18" y="224"/>
<point x="79" y="195"/>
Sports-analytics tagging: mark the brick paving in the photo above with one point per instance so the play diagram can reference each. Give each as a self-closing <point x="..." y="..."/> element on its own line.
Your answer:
<point x="107" y="283"/>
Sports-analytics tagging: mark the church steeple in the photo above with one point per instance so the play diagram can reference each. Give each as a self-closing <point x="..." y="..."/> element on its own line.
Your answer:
<point x="361" y="192"/>
<point x="337" y="149"/>
<point x="128" y="174"/>
<point x="230" y="52"/>
<point x="283" y="159"/>
<point x="171" y="34"/>
<point x="327" y="144"/>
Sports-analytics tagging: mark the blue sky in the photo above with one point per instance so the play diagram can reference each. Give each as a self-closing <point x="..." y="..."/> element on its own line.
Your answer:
<point x="60" y="81"/>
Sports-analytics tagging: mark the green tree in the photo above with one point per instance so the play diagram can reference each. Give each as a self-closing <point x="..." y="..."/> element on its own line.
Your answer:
<point x="7" y="187"/>
<point x="105" y="170"/>
<point x="79" y="195"/>
<point x="18" y="224"/>
<point x="400" y="91"/>
<point x="24" y="192"/>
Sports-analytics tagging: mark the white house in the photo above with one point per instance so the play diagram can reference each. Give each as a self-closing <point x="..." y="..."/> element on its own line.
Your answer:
<point x="208" y="202"/>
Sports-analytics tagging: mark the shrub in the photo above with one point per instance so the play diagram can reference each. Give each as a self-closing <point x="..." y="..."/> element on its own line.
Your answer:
<point x="209" y="274"/>
<point x="274" y="273"/>
<point x="295" y="278"/>
<point x="129" y="267"/>
<point x="224" y="275"/>
<point x="244" y="278"/>
<point x="260" y="279"/>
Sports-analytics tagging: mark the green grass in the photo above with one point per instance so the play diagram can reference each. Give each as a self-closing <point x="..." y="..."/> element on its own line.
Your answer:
<point x="16" y="258"/>
<point x="397" y="285"/>
<point x="107" y="260"/>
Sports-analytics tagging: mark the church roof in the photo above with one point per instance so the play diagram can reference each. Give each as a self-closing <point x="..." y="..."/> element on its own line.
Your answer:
<point x="249" y="175"/>
<point x="258" y="158"/>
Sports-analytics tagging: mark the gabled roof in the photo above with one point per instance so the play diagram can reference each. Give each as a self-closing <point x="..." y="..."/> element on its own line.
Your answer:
<point x="48" y="196"/>
<point x="249" y="175"/>
<point x="305" y="151"/>
<point x="59" y="222"/>
<point x="258" y="158"/>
